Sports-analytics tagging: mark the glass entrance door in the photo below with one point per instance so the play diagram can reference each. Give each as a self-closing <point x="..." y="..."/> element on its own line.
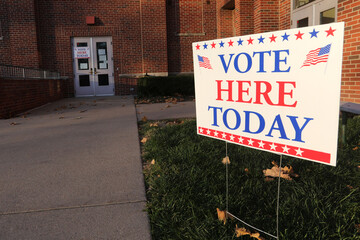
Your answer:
<point x="93" y="66"/>
<point x="309" y="12"/>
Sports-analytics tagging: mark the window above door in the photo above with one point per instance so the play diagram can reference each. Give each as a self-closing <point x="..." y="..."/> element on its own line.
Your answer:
<point x="313" y="12"/>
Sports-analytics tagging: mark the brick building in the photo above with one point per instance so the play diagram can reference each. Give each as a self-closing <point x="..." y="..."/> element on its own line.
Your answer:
<point x="102" y="46"/>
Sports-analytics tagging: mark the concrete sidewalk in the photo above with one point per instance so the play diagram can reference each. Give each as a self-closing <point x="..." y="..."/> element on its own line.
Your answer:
<point x="160" y="111"/>
<point x="72" y="170"/>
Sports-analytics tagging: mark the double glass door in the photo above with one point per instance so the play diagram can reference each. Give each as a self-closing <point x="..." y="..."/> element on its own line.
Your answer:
<point x="93" y="66"/>
<point x="311" y="12"/>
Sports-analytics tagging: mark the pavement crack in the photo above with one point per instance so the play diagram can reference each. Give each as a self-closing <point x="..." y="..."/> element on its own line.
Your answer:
<point x="71" y="207"/>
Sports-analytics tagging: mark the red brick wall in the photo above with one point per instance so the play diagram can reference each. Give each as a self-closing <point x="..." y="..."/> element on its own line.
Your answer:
<point x="284" y="14"/>
<point x="244" y="17"/>
<point x="188" y="21"/>
<point x="349" y="12"/>
<point x="154" y="36"/>
<point x="19" y="45"/>
<point x="266" y="15"/>
<point x="20" y="95"/>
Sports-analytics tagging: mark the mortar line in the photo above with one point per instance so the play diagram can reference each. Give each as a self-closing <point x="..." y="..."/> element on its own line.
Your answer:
<point x="70" y="207"/>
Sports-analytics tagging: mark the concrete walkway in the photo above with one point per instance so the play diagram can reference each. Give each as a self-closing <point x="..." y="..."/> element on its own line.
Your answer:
<point x="160" y="111"/>
<point x="72" y="170"/>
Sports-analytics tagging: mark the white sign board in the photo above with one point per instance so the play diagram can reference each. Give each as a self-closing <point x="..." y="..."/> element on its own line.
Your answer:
<point x="82" y="52"/>
<point x="276" y="91"/>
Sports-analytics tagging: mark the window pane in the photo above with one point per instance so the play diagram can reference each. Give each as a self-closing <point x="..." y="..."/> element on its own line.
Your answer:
<point x="103" y="79"/>
<point x="84" y="80"/>
<point x="300" y="3"/>
<point x="101" y="51"/>
<point x="303" y="22"/>
<point x="83" y="63"/>
<point x="81" y="44"/>
<point x="327" y="16"/>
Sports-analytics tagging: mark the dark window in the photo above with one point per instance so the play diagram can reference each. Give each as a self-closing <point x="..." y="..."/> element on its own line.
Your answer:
<point x="84" y="80"/>
<point x="81" y="44"/>
<point x="303" y="22"/>
<point x="327" y="16"/>
<point x="103" y="79"/>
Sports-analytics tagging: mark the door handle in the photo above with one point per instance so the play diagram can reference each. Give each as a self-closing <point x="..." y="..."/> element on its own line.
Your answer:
<point x="91" y="71"/>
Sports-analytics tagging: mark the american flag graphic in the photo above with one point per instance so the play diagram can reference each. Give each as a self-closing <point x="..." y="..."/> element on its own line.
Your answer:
<point x="204" y="62"/>
<point x="317" y="56"/>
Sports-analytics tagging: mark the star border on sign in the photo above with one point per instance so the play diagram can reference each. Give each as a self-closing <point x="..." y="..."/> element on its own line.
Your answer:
<point x="221" y="44"/>
<point x="230" y="43"/>
<point x="273" y="38"/>
<point x="261" y="39"/>
<point x="314" y="33"/>
<point x="205" y="46"/>
<point x="250" y="41"/>
<point x="330" y="32"/>
<point x="197" y="47"/>
<point x="240" y="42"/>
<point x="299" y="35"/>
<point x="213" y="45"/>
<point x="285" y="37"/>
<point x="299" y="152"/>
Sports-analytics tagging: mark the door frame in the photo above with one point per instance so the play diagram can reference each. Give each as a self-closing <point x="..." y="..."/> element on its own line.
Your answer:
<point x="94" y="88"/>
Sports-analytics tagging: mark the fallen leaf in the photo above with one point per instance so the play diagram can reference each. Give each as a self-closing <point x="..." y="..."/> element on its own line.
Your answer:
<point x="246" y="170"/>
<point x="167" y="106"/>
<point x="269" y="179"/>
<point x="355" y="148"/>
<point x="221" y="215"/>
<point x="154" y="124"/>
<point x="61" y="117"/>
<point x="241" y="231"/>
<point x="78" y="117"/>
<point x="144" y="140"/>
<point x="286" y="172"/>
<point x="357" y="226"/>
<point x="14" y="123"/>
<point x="256" y="235"/>
<point x="83" y="111"/>
<point x="144" y="119"/>
<point x="349" y="187"/>
<point x="226" y="160"/>
<point x="152" y="162"/>
<point x="123" y="105"/>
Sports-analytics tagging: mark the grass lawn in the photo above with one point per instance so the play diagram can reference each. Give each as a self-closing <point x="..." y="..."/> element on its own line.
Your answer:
<point x="186" y="183"/>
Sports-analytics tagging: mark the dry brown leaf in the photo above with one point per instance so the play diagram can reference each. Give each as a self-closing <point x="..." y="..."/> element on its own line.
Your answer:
<point x="82" y="111"/>
<point x="167" y="106"/>
<point x="154" y="124"/>
<point x="241" y="231"/>
<point x="226" y="160"/>
<point x="269" y="179"/>
<point x="357" y="226"/>
<point x="14" y="123"/>
<point x="286" y="172"/>
<point x="355" y="148"/>
<point x="144" y="140"/>
<point x="123" y="105"/>
<point x="256" y="235"/>
<point x="78" y="118"/>
<point x="61" y="117"/>
<point x="152" y="162"/>
<point x="221" y="215"/>
<point x="144" y="119"/>
<point x="274" y="172"/>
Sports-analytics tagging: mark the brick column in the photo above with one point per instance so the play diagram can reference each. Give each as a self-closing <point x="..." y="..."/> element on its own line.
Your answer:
<point x="266" y="15"/>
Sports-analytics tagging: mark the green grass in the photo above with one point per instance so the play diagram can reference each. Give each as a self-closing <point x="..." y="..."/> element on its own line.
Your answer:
<point x="187" y="183"/>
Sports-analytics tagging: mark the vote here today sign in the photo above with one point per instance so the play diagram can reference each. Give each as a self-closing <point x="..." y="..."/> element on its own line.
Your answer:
<point x="275" y="91"/>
